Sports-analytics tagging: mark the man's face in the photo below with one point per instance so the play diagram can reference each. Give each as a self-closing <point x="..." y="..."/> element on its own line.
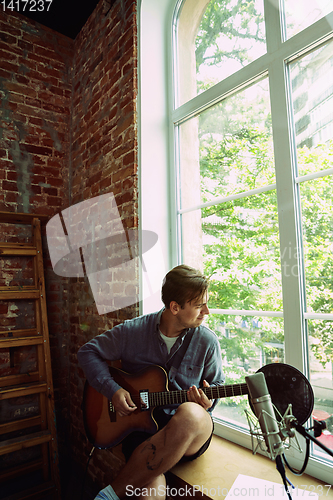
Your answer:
<point x="194" y="312"/>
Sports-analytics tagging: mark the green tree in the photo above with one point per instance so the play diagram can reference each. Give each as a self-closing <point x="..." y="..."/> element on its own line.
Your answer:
<point x="227" y="32"/>
<point x="241" y="237"/>
<point x="317" y="222"/>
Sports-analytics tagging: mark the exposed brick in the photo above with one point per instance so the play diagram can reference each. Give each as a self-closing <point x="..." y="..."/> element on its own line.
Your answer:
<point x="37" y="150"/>
<point x="11" y="197"/>
<point x="51" y="191"/>
<point x="3" y="308"/>
<point x="76" y="118"/>
<point x="9" y="186"/>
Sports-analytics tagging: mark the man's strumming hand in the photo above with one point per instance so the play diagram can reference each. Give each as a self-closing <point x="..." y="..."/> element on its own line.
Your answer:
<point x="123" y="403"/>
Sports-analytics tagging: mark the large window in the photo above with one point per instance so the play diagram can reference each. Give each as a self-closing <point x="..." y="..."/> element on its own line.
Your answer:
<point x="253" y="135"/>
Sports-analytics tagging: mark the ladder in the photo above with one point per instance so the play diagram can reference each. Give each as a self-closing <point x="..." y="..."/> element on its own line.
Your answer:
<point x="28" y="441"/>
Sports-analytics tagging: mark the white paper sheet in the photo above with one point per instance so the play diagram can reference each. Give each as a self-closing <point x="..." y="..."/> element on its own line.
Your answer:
<point x="247" y="487"/>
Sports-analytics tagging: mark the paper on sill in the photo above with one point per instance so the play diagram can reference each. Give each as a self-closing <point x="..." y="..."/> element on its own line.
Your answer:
<point x="248" y="487"/>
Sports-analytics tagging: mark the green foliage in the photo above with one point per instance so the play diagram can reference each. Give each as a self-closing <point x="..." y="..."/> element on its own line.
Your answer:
<point x="241" y="237"/>
<point x="235" y="375"/>
<point x="237" y="19"/>
<point x="317" y="219"/>
<point x="241" y="253"/>
<point x="227" y="33"/>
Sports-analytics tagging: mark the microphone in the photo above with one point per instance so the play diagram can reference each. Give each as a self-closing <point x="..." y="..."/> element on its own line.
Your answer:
<point x="263" y="409"/>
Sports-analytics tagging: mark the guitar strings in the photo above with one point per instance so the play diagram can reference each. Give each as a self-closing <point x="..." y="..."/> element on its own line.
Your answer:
<point x="165" y="398"/>
<point x="214" y="392"/>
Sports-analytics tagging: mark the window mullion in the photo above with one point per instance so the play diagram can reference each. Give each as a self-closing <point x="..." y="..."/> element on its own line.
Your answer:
<point x="288" y="217"/>
<point x="273" y="25"/>
<point x="285" y="187"/>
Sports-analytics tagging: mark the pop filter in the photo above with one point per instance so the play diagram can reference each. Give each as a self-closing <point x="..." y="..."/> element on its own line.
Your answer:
<point x="287" y="385"/>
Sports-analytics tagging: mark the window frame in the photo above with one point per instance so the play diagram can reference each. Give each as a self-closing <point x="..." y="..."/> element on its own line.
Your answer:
<point x="167" y="117"/>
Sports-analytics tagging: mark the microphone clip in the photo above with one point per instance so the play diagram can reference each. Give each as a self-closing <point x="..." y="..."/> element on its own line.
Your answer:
<point x="286" y="431"/>
<point x="318" y="427"/>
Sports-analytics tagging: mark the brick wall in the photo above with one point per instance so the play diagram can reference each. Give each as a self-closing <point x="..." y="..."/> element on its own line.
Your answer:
<point x="104" y="159"/>
<point x="68" y="133"/>
<point x="35" y="87"/>
<point x="35" y="104"/>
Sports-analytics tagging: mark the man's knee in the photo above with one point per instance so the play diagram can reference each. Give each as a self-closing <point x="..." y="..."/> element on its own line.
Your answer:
<point x="194" y="418"/>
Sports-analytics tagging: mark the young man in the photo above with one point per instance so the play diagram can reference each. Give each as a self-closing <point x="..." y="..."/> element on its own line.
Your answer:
<point x="175" y="339"/>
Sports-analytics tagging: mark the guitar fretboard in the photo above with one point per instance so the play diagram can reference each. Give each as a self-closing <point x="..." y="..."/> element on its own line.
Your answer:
<point x="167" y="398"/>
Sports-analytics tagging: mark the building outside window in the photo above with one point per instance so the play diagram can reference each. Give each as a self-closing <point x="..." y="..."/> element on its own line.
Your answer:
<point x="253" y="142"/>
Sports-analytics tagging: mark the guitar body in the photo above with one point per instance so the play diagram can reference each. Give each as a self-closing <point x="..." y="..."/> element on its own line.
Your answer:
<point x="103" y="426"/>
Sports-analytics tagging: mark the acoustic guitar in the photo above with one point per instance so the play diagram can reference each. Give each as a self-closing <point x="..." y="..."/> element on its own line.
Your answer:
<point x="149" y="390"/>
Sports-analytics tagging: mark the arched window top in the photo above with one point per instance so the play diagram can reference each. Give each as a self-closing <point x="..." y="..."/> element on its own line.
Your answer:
<point x="216" y="38"/>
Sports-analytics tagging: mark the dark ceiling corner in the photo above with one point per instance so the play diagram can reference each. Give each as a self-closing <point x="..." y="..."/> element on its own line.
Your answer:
<point x="64" y="16"/>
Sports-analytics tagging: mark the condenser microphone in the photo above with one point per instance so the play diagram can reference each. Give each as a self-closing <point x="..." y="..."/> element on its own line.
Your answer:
<point x="263" y="409"/>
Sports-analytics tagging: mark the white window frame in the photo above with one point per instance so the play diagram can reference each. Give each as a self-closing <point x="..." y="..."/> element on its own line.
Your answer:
<point x="157" y="170"/>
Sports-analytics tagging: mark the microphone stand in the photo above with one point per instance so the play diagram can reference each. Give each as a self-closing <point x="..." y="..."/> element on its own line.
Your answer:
<point x="292" y="422"/>
<point x="308" y="437"/>
<point x="289" y="423"/>
<point x="282" y="471"/>
<point x="305" y="433"/>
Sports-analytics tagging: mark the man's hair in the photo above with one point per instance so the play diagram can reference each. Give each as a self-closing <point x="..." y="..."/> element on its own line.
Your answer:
<point x="183" y="284"/>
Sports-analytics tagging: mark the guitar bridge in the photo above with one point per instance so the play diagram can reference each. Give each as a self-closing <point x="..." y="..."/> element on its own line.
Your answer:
<point x="112" y="412"/>
<point x="144" y="400"/>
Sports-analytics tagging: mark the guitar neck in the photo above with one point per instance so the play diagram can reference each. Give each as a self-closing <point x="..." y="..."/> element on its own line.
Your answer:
<point x="167" y="398"/>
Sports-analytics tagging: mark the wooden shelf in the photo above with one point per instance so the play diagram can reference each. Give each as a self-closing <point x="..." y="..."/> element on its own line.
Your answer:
<point x="43" y="492"/>
<point x="38" y="430"/>
<point x="27" y="441"/>
<point x="14" y="249"/>
<point x="20" y="218"/>
<point x="18" y="391"/>
<point x="25" y="332"/>
<point x="19" y="294"/>
<point x="20" y="341"/>
<point x="12" y="472"/>
<point x="18" y="425"/>
<point x="20" y="379"/>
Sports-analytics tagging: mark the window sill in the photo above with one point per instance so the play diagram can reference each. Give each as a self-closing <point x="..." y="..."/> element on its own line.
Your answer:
<point x="217" y="469"/>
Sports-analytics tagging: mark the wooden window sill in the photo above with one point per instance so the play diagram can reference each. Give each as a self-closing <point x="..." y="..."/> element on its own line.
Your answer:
<point x="217" y="469"/>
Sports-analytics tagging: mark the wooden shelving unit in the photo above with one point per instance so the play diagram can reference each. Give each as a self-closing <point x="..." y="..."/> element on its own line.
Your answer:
<point x="32" y="427"/>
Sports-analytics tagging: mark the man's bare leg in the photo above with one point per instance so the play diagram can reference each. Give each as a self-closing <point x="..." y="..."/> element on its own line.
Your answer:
<point x="186" y="432"/>
<point x="155" y="490"/>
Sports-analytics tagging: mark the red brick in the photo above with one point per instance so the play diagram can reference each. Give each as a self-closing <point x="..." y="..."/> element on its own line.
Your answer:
<point x="35" y="189"/>
<point x="51" y="191"/>
<point x="7" y="28"/>
<point x="11" y="176"/>
<point x="37" y="150"/>
<point x="5" y="55"/>
<point x="129" y="158"/>
<point x="20" y="89"/>
<point x="11" y="197"/>
<point x="105" y="183"/>
<point x="25" y="45"/>
<point x="9" y="186"/>
<point x="54" y="201"/>
<point x="37" y="179"/>
<point x="3" y="308"/>
<point x="36" y="121"/>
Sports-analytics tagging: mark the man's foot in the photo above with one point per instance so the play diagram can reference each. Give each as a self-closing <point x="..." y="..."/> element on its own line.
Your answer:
<point x="107" y="494"/>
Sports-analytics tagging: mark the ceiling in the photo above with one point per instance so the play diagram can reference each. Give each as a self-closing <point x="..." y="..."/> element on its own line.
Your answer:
<point x="64" y="16"/>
